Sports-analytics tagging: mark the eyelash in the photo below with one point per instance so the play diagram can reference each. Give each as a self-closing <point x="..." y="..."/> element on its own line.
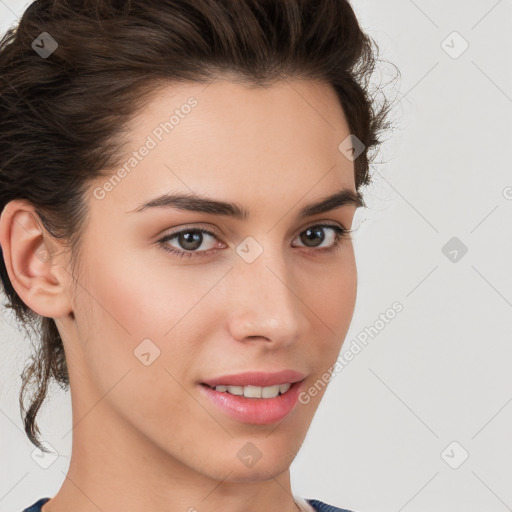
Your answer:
<point x="341" y="234"/>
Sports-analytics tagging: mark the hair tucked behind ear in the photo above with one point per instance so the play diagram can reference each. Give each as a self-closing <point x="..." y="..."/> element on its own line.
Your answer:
<point x="62" y="115"/>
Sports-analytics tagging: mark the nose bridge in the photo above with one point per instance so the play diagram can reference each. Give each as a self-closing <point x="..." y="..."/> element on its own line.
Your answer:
<point x="263" y="303"/>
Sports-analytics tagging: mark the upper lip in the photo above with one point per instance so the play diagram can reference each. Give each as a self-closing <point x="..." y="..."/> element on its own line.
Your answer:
<point x="256" y="378"/>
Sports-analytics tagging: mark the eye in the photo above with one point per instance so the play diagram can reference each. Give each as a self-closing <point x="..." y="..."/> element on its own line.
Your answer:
<point x="191" y="239"/>
<point x="315" y="235"/>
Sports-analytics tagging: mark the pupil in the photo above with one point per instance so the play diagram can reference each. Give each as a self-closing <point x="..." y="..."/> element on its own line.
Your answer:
<point x="311" y="234"/>
<point x="192" y="237"/>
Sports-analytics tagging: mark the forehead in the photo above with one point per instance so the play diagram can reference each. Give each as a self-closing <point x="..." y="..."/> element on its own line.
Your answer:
<point x="229" y="139"/>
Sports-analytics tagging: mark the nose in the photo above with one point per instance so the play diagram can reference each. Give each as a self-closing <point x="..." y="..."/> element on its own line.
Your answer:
<point x="263" y="304"/>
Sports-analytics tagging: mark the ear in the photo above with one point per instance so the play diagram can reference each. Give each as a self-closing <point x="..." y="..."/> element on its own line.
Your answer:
<point x="36" y="265"/>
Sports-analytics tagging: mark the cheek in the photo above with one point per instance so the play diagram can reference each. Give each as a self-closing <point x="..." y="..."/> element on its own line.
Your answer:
<point x="335" y="299"/>
<point x="144" y="299"/>
<point x="128" y="302"/>
<point x="332" y="307"/>
<point x="121" y="305"/>
<point x="331" y="297"/>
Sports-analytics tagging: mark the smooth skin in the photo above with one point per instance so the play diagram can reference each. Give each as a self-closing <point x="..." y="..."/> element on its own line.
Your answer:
<point x="144" y="437"/>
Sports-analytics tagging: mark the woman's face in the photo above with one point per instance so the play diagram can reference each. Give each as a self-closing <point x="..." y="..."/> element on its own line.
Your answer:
<point x="257" y="293"/>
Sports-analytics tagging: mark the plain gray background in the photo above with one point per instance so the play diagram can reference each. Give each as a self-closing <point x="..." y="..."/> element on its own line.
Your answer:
<point x="420" y="419"/>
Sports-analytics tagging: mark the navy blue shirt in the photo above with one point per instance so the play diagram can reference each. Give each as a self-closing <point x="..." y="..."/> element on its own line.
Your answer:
<point x="319" y="506"/>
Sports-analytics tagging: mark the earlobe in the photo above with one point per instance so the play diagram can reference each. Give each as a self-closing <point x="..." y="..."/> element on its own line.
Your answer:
<point x="40" y="281"/>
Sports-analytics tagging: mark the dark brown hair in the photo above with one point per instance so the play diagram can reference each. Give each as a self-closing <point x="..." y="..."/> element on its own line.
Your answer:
<point x="62" y="115"/>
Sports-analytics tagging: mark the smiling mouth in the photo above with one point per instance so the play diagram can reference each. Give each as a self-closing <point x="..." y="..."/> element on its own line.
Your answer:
<point x="255" y="405"/>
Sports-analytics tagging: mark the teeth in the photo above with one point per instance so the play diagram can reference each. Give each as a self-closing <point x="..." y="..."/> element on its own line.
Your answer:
<point x="255" y="391"/>
<point x="284" y="387"/>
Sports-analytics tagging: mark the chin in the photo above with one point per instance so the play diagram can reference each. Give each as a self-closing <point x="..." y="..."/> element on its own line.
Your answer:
<point x="246" y="463"/>
<point x="258" y="473"/>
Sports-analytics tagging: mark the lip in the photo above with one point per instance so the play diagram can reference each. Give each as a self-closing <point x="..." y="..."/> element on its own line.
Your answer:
<point x="256" y="411"/>
<point x="256" y="378"/>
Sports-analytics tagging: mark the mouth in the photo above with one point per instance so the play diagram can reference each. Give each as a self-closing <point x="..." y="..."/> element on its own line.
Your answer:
<point x="253" y="391"/>
<point x="256" y="405"/>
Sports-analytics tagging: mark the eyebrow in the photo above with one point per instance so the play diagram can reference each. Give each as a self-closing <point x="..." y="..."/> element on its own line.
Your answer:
<point x="196" y="203"/>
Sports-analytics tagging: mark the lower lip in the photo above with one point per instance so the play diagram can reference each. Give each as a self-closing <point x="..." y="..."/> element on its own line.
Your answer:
<point x="258" y="411"/>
